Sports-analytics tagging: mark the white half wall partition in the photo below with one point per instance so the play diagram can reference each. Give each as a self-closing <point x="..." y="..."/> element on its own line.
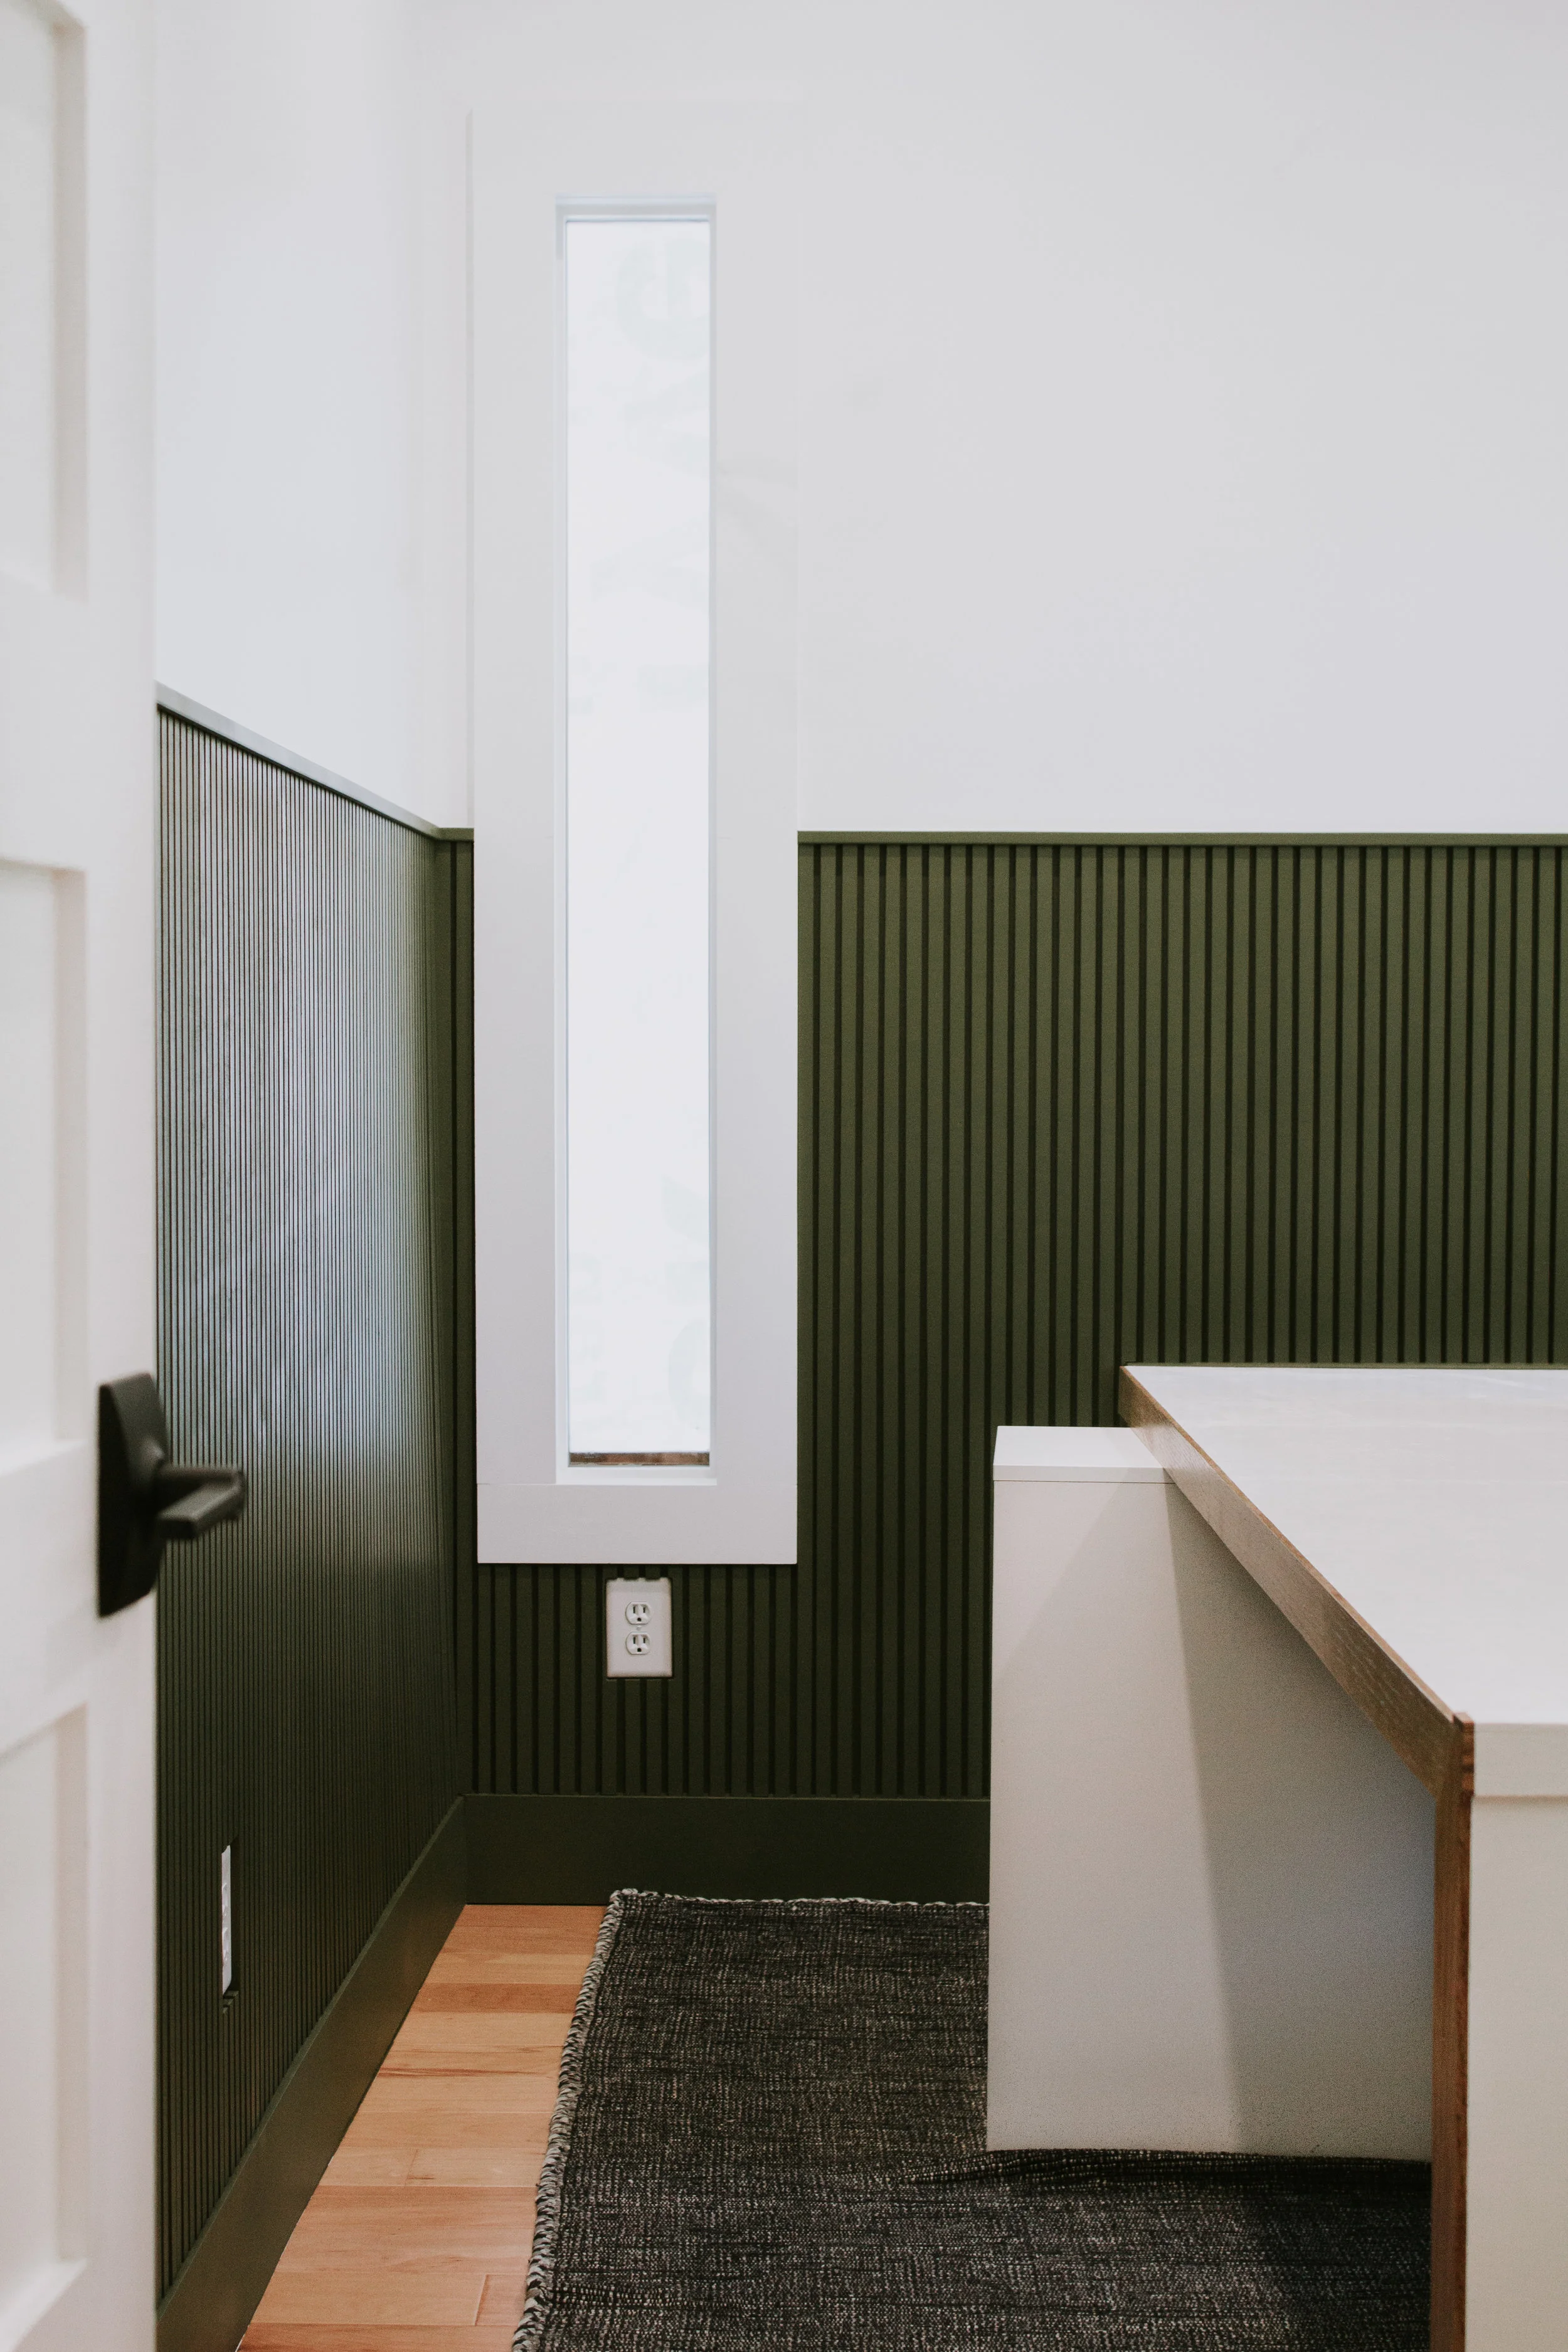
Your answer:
<point x="1211" y="1877"/>
<point x="634" y="779"/>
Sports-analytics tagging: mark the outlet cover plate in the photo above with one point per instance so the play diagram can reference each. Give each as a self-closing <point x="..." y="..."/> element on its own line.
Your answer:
<point x="636" y="1625"/>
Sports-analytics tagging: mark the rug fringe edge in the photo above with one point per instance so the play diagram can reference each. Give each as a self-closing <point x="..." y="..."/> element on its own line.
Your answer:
<point x="807" y="1902"/>
<point x="547" y="2199"/>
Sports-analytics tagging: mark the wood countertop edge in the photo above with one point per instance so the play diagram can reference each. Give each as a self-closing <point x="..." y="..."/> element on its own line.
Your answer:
<point x="1417" y="1724"/>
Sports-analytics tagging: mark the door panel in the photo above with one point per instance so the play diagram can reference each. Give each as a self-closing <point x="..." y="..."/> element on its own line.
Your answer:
<point x="43" y="2037"/>
<point x="40" y="1175"/>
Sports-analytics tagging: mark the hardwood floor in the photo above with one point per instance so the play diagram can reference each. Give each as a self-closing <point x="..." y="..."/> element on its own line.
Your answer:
<point x="417" y="2238"/>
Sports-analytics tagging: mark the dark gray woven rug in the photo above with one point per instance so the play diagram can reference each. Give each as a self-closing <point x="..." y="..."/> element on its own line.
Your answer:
<point x="770" y="2133"/>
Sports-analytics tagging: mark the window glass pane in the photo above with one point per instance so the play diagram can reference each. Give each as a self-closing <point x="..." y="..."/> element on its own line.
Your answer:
<point x="638" y="403"/>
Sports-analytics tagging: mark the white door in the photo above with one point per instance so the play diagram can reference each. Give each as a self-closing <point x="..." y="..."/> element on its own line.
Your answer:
<point x="76" y="912"/>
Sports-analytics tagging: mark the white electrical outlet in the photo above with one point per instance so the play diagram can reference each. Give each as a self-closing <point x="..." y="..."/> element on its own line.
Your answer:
<point x="226" y="1921"/>
<point x="636" y="1625"/>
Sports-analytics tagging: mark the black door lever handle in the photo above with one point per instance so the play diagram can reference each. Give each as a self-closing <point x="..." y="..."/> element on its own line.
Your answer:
<point x="190" y="1501"/>
<point x="144" y="1500"/>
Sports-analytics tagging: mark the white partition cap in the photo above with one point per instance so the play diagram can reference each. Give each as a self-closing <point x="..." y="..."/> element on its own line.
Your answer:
<point x="1103" y="1457"/>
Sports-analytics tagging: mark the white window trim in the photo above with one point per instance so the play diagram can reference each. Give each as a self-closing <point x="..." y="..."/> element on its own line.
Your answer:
<point x="529" y="165"/>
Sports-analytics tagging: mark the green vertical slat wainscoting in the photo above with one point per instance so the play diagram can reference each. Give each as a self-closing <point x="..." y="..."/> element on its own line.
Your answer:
<point x="305" y="1670"/>
<point x="1067" y="1105"/>
<point x="1063" y="1105"/>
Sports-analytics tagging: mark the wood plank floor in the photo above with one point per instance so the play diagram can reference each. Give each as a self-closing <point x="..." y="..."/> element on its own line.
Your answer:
<point x="417" y="2239"/>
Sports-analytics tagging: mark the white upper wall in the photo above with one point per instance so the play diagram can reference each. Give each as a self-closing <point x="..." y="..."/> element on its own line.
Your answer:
<point x="288" y="500"/>
<point x="1182" y="392"/>
<point x="1183" y="387"/>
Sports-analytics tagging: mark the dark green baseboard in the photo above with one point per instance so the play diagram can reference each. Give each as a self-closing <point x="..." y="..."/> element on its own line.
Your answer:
<point x="580" y="1849"/>
<point x="211" y="2303"/>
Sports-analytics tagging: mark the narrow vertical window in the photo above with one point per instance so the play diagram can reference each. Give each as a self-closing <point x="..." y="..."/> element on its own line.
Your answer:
<point x="639" y="406"/>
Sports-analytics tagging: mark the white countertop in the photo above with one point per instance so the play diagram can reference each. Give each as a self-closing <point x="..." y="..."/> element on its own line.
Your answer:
<point x="1436" y="1503"/>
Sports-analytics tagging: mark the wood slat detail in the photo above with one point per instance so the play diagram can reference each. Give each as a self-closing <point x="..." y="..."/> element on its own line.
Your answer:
<point x="436" y="2125"/>
<point x="314" y="2336"/>
<point x="507" y="1969"/>
<point x="555" y="2000"/>
<point x="356" y="2166"/>
<point x="511" y="1930"/>
<point x="475" y="2165"/>
<point x="513" y="2031"/>
<point x="408" y="2099"/>
<point x="352" y="2226"/>
<point x="544" y="2060"/>
<point x="429" y="2293"/>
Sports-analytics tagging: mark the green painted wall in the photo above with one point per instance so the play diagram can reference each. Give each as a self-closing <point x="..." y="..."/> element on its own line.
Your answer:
<point x="305" y="1680"/>
<point x="1065" y="1105"/>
